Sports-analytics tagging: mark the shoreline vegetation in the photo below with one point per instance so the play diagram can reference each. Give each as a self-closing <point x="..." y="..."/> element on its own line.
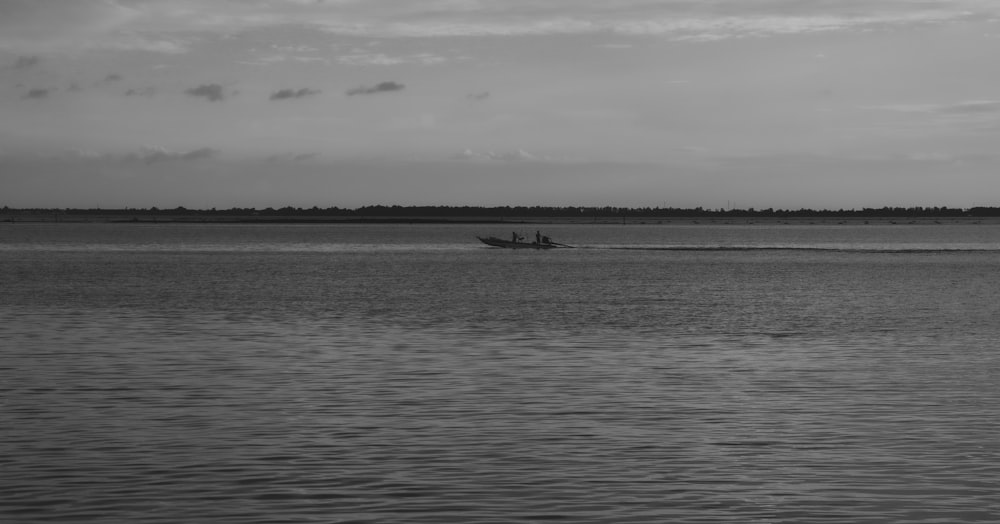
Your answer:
<point x="508" y="214"/>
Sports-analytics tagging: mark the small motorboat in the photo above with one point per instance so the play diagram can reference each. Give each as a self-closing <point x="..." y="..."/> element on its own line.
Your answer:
<point x="510" y="244"/>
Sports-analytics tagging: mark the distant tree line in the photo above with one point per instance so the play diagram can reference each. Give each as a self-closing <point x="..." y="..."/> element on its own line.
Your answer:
<point x="521" y="212"/>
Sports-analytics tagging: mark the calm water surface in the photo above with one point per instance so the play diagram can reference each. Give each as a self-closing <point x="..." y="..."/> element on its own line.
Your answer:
<point x="407" y="373"/>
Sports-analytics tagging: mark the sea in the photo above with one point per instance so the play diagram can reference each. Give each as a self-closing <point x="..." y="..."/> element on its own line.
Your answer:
<point x="407" y="373"/>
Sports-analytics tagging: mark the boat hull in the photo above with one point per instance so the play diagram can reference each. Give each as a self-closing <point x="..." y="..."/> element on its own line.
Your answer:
<point x="497" y="242"/>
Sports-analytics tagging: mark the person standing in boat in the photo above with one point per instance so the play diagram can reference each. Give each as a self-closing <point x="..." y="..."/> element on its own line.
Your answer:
<point x="513" y="237"/>
<point x="538" y="237"/>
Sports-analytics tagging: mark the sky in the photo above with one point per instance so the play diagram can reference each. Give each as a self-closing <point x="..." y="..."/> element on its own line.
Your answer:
<point x="672" y="103"/>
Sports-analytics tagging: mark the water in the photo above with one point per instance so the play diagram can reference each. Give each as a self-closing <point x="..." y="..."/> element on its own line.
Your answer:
<point x="406" y="373"/>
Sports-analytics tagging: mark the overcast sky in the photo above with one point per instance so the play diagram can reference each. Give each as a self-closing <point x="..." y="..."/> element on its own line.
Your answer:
<point x="256" y="103"/>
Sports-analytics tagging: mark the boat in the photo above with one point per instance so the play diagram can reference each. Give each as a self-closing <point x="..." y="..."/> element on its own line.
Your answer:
<point x="509" y="244"/>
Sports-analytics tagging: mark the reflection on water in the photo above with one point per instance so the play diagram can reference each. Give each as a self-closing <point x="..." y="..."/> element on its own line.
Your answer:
<point x="480" y="385"/>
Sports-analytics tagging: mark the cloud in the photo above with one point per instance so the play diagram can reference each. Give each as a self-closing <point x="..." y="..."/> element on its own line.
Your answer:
<point x="285" y="94"/>
<point x="957" y="108"/>
<point x="113" y="77"/>
<point x="141" y="91"/>
<point x="265" y="60"/>
<point x="152" y="155"/>
<point x="382" y="59"/>
<point x="137" y="43"/>
<point x="972" y="106"/>
<point x="517" y="155"/>
<point x="274" y="54"/>
<point x="483" y="95"/>
<point x="213" y="92"/>
<point x="174" y="26"/>
<point x="145" y="155"/>
<point x="675" y="19"/>
<point x="291" y="157"/>
<point x="38" y="93"/>
<point x="381" y="87"/>
<point x="26" y="62"/>
<point x="150" y="25"/>
<point x="965" y="115"/>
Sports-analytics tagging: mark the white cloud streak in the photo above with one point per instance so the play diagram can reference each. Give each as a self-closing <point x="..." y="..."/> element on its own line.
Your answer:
<point x="145" y="155"/>
<point x="382" y="59"/>
<point x="970" y="107"/>
<point x="152" y="155"/>
<point x="172" y="26"/>
<point x="507" y="156"/>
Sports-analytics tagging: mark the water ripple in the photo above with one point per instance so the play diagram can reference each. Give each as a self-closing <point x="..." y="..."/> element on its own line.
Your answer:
<point x="482" y="387"/>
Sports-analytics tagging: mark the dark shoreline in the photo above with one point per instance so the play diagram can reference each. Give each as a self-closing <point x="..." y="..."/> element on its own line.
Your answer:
<point x="503" y="215"/>
<point x="140" y="219"/>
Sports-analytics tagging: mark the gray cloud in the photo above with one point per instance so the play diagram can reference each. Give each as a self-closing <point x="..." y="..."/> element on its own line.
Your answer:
<point x="26" y="62"/>
<point x="112" y="78"/>
<point x="285" y="94"/>
<point x="381" y="87"/>
<point x="142" y="91"/>
<point x="38" y="93"/>
<point x="478" y="96"/>
<point x="213" y="92"/>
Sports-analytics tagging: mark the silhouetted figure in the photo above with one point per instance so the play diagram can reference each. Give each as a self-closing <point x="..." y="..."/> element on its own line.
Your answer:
<point x="538" y="237"/>
<point x="513" y="237"/>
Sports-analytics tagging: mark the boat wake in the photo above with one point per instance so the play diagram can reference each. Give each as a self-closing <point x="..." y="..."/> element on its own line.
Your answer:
<point x="818" y="248"/>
